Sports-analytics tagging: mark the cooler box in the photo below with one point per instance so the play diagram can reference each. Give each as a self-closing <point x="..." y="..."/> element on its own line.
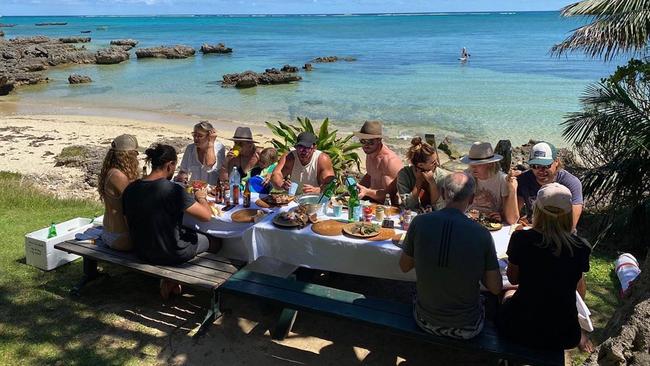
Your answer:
<point x="39" y="250"/>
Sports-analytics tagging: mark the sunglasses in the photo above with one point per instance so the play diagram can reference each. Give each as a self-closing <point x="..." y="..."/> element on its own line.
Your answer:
<point x="302" y="148"/>
<point x="367" y="141"/>
<point x="540" y="167"/>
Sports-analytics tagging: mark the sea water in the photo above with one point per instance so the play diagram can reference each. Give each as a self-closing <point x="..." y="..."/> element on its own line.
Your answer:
<point x="406" y="72"/>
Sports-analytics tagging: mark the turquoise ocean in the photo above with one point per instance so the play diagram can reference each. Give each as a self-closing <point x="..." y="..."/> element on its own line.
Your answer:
<point x="407" y="71"/>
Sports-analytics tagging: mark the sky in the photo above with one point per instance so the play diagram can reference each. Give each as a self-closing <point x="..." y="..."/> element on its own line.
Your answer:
<point x="154" y="7"/>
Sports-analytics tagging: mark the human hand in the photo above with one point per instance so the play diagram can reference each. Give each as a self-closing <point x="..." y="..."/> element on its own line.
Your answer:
<point x="511" y="181"/>
<point x="363" y="191"/>
<point x="286" y="184"/>
<point x="201" y="194"/>
<point x="310" y="189"/>
<point x="212" y="137"/>
<point x="495" y="216"/>
<point x="182" y="177"/>
<point x="429" y="177"/>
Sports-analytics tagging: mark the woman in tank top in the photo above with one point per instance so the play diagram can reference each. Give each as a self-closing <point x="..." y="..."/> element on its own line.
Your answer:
<point x="120" y="168"/>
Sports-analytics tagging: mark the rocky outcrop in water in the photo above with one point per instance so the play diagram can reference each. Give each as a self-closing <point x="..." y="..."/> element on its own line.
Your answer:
<point x="111" y="55"/>
<point x="289" y="68"/>
<point x="307" y="67"/>
<point x="169" y="52"/>
<point x="5" y="25"/>
<point x="2" y="34"/>
<point x="74" y="39"/>
<point x="79" y="79"/>
<point x="212" y="48"/>
<point x="249" y="79"/>
<point x="127" y="44"/>
<point x="50" y="23"/>
<point x="326" y="59"/>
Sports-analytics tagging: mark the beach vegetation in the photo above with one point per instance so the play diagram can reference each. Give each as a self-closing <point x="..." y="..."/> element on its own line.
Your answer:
<point x="612" y="136"/>
<point x="341" y="150"/>
<point x="617" y="26"/>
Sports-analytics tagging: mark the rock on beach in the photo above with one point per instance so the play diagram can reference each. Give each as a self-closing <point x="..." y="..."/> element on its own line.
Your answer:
<point x="326" y="59"/>
<point x="124" y="42"/>
<point x="168" y="52"/>
<point x="218" y="48"/>
<point x="79" y="79"/>
<point x="249" y="79"/>
<point x="111" y="55"/>
<point x="74" y="39"/>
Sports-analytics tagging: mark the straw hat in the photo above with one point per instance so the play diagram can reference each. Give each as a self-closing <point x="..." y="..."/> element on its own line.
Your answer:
<point x="370" y="130"/>
<point x="480" y="153"/>
<point x="243" y="134"/>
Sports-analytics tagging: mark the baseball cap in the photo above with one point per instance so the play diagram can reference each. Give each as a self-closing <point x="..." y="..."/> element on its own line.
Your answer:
<point x="542" y="153"/>
<point x="124" y="143"/>
<point x="555" y="196"/>
<point x="306" y="139"/>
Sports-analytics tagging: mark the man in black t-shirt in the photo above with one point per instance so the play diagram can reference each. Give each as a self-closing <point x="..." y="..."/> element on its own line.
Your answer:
<point x="154" y="208"/>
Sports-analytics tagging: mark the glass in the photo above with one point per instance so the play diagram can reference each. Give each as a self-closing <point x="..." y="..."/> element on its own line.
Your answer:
<point x="367" y="141"/>
<point x="540" y="167"/>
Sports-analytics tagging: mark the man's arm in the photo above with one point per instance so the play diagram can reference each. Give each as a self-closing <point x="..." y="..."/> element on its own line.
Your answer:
<point x="406" y="262"/>
<point x="513" y="273"/>
<point x="492" y="281"/>
<point x="200" y="209"/>
<point x="277" y="177"/>
<point x="576" y="211"/>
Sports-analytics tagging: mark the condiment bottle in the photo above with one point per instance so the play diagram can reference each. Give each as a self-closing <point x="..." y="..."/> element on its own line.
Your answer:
<point x="247" y="196"/>
<point x="379" y="213"/>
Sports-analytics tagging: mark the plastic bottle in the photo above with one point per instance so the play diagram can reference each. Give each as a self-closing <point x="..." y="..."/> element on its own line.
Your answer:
<point x="354" y="206"/>
<point x="627" y="270"/>
<point x="52" y="232"/>
<point x="235" y="180"/>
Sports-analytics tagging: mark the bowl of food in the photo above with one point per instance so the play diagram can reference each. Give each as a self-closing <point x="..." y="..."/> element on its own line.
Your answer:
<point x="310" y="203"/>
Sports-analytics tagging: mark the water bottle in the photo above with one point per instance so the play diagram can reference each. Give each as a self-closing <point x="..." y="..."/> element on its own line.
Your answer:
<point x="51" y="233"/>
<point x="235" y="180"/>
<point x="627" y="269"/>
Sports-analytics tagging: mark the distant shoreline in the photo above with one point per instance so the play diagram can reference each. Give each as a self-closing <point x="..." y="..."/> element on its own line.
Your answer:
<point x="236" y="15"/>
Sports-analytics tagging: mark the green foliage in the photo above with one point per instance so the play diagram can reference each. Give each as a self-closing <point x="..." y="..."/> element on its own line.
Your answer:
<point x="340" y="150"/>
<point x="612" y="135"/>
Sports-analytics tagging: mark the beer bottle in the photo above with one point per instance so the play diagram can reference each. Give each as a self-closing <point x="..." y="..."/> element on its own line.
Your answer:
<point x="247" y="196"/>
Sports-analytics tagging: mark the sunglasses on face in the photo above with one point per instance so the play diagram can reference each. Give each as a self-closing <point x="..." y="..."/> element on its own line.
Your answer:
<point x="199" y="135"/>
<point x="540" y="167"/>
<point x="367" y="141"/>
<point x="302" y="148"/>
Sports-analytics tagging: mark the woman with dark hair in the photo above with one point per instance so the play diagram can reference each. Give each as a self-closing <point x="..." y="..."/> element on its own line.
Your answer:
<point x="420" y="181"/>
<point x="204" y="158"/>
<point x="154" y="209"/>
<point x="120" y="168"/>
<point x="548" y="263"/>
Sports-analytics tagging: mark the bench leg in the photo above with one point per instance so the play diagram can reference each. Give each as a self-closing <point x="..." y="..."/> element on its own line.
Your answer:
<point x="213" y="314"/>
<point x="90" y="274"/>
<point x="283" y="327"/>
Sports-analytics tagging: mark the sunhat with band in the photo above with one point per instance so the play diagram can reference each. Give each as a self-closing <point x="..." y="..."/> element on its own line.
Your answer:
<point x="243" y="134"/>
<point x="370" y="130"/>
<point x="481" y="153"/>
<point x="554" y="199"/>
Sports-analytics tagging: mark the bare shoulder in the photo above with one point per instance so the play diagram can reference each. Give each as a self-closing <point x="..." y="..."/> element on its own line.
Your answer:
<point x="323" y="157"/>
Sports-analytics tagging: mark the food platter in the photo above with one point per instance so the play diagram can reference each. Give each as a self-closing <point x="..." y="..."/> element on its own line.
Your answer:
<point x="361" y="230"/>
<point x="290" y="219"/>
<point x="484" y="220"/>
<point x="275" y="200"/>
<point x="246" y="215"/>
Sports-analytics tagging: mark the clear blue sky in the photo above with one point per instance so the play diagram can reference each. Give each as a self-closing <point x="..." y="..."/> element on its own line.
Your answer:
<point x="128" y="7"/>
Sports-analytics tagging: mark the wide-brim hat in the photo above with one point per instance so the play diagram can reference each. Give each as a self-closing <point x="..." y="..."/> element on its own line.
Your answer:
<point x="481" y="153"/>
<point x="370" y="130"/>
<point x="243" y="134"/>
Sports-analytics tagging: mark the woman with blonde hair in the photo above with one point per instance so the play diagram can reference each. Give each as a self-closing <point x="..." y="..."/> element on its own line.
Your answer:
<point x="120" y="168"/>
<point x="204" y="158"/>
<point x="496" y="192"/>
<point x="420" y="182"/>
<point x="548" y="263"/>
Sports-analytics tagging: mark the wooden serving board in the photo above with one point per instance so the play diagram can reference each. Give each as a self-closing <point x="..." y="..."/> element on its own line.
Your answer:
<point x="328" y="227"/>
<point x="244" y="216"/>
<point x="262" y="204"/>
<point x="384" y="234"/>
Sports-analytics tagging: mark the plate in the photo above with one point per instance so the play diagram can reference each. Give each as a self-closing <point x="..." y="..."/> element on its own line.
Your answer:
<point x="275" y="200"/>
<point x="493" y="226"/>
<point x="349" y="230"/>
<point x="281" y="222"/>
<point x="384" y="234"/>
<point x="246" y="215"/>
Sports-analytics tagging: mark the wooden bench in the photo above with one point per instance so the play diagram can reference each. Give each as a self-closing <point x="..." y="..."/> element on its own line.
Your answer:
<point x="389" y="315"/>
<point x="206" y="271"/>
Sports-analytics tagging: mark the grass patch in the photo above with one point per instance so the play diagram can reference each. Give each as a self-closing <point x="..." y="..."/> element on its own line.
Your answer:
<point x="40" y="324"/>
<point x="74" y="151"/>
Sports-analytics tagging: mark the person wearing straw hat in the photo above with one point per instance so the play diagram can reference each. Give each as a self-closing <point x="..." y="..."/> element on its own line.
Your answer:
<point x="307" y="166"/>
<point x="120" y="167"/>
<point x="244" y="154"/>
<point x="546" y="167"/>
<point x="204" y="158"/>
<point x="548" y="264"/>
<point x="496" y="192"/>
<point x="382" y="164"/>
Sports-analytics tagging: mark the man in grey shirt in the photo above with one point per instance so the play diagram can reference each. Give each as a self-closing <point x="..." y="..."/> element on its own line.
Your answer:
<point x="451" y="254"/>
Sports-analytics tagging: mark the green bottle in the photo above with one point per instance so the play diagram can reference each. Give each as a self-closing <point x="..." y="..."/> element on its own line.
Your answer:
<point x="353" y="202"/>
<point x="328" y="192"/>
<point x="52" y="232"/>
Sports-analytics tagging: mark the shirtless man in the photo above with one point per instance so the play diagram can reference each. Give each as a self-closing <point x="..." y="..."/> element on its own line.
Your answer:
<point x="305" y="165"/>
<point x="382" y="164"/>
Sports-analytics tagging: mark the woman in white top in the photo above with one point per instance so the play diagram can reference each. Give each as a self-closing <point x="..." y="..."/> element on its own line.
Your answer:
<point x="204" y="158"/>
<point x="496" y="192"/>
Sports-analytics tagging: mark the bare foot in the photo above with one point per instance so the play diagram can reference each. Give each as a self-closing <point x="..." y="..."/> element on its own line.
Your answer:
<point x="585" y="344"/>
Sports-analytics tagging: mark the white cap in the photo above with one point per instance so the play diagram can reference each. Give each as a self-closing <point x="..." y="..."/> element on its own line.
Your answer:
<point x="556" y="196"/>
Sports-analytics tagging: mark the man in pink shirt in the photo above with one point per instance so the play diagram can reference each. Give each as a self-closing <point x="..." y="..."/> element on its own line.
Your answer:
<point x="382" y="164"/>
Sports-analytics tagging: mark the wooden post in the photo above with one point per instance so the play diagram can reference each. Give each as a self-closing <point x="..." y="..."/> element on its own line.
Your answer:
<point x="504" y="148"/>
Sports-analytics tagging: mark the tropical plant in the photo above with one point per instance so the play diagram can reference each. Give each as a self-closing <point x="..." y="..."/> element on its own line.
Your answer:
<point x="340" y="149"/>
<point x="618" y="26"/>
<point x="612" y="135"/>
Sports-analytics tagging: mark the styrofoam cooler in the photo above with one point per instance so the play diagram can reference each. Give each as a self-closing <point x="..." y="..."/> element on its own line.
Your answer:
<point x="39" y="250"/>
